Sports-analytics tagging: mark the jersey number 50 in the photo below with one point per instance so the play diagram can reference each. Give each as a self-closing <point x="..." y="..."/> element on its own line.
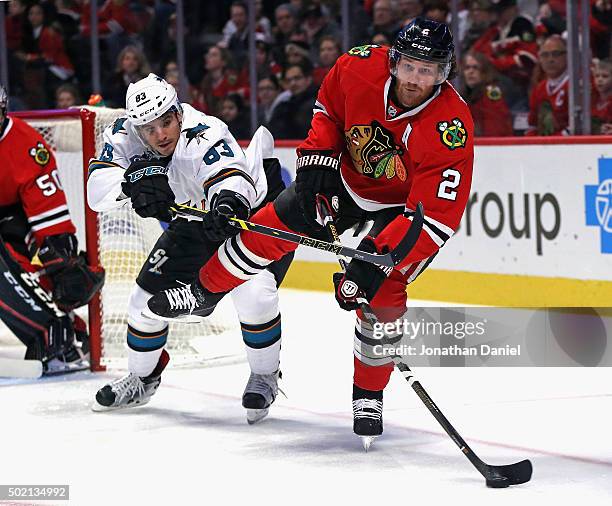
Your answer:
<point x="450" y="181"/>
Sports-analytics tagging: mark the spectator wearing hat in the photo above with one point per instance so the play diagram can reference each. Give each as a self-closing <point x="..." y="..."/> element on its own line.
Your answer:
<point x="511" y="47"/>
<point x="484" y="96"/>
<point x="264" y="61"/>
<point x="329" y="52"/>
<point x="291" y="119"/>
<point x="297" y="52"/>
<point x="601" y="111"/>
<point x="481" y="17"/>
<point x="316" y="26"/>
<point x="548" y="104"/>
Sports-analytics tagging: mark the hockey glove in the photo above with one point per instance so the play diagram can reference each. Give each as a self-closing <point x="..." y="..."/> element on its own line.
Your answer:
<point x="74" y="282"/>
<point x="146" y="183"/>
<point x="361" y="279"/>
<point x="317" y="172"/>
<point x="224" y="205"/>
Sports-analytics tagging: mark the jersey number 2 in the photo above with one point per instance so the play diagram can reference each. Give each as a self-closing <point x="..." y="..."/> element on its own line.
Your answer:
<point x="450" y="181"/>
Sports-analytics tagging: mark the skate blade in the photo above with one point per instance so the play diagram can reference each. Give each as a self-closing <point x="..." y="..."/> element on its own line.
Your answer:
<point x="98" y="408"/>
<point x="367" y="441"/>
<point x="147" y="313"/>
<point x="255" y="415"/>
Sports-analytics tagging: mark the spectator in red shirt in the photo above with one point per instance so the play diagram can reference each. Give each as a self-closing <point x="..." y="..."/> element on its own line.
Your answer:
<point x="511" y="47"/>
<point x="45" y="62"/>
<point x="485" y="98"/>
<point x="548" y="104"/>
<point x="329" y="52"/>
<point x="220" y="80"/>
<point x="601" y="112"/>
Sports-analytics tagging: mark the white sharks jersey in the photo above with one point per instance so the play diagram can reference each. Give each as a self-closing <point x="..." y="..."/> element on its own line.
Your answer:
<point x="206" y="160"/>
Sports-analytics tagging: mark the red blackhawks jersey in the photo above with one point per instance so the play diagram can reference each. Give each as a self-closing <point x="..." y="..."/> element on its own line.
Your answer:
<point x="30" y="179"/>
<point x="391" y="157"/>
<point x="548" y="107"/>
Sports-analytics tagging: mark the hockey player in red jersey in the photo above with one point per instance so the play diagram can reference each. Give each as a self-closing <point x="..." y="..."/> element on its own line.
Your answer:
<point x="388" y="131"/>
<point x="34" y="220"/>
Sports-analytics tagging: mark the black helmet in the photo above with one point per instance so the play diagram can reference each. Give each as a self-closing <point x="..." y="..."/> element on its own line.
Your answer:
<point x="427" y="40"/>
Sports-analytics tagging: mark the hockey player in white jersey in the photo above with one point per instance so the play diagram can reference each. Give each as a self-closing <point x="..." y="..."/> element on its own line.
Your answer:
<point x="165" y="152"/>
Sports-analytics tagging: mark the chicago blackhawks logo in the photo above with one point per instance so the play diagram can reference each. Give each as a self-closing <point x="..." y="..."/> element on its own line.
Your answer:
<point x="374" y="151"/>
<point x="40" y="154"/>
<point x="362" y="51"/>
<point x="453" y="135"/>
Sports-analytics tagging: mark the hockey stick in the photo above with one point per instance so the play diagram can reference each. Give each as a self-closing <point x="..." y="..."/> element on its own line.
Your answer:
<point x="495" y="476"/>
<point x="390" y="259"/>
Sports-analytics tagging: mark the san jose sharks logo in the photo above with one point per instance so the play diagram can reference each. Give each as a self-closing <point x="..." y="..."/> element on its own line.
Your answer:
<point x="196" y="132"/>
<point x="453" y="134"/>
<point x="118" y="126"/>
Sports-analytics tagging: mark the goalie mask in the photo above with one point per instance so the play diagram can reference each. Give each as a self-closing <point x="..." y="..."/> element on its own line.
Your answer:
<point x="428" y="41"/>
<point x="149" y="99"/>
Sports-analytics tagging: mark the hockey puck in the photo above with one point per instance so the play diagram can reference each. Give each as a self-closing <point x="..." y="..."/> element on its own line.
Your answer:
<point x="501" y="482"/>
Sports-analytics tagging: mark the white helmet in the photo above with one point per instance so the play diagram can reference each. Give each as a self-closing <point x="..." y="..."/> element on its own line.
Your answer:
<point x="149" y="98"/>
<point x="3" y="103"/>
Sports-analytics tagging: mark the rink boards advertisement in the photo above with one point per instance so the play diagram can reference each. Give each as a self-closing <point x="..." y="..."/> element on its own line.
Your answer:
<point x="538" y="225"/>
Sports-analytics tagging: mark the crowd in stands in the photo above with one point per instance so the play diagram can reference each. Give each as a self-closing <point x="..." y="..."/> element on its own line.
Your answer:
<point x="512" y="69"/>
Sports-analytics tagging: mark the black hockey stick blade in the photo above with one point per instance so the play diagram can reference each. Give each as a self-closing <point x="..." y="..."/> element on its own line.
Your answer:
<point x="511" y="474"/>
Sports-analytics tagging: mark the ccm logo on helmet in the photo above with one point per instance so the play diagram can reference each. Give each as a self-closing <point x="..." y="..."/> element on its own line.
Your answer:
<point x="146" y="112"/>
<point x="419" y="46"/>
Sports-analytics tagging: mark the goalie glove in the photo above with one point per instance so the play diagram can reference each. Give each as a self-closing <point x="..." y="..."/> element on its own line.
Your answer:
<point x="146" y="183"/>
<point x="74" y="282"/>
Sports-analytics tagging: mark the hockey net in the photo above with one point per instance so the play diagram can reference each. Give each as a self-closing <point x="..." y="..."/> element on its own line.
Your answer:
<point x="119" y="241"/>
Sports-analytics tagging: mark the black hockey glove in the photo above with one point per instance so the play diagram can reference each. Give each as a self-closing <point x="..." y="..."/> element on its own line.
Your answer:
<point x="146" y="183"/>
<point x="224" y="205"/>
<point x="317" y="172"/>
<point x="74" y="282"/>
<point x="361" y="279"/>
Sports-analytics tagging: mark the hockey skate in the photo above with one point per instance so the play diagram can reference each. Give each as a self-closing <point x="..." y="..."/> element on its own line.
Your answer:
<point x="259" y="395"/>
<point x="187" y="303"/>
<point x="131" y="390"/>
<point x="367" y="415"/>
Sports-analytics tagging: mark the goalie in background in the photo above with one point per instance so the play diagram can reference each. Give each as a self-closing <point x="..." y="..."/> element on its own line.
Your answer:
<point x="43" y="278"/>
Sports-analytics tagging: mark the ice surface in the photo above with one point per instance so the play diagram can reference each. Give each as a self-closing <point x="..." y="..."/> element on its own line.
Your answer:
<point x="191" y="444"/>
